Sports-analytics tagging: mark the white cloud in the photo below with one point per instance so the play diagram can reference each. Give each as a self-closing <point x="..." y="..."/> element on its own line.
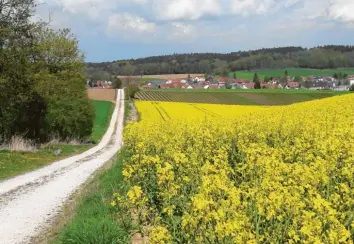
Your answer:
<point x="94" y="9"/>
<point x="186" y="9"/>
<point x="341" y="10"/>
<point x="182" y="30"/>
<point x="248" y="7"/>
<point x="129" y="23"/>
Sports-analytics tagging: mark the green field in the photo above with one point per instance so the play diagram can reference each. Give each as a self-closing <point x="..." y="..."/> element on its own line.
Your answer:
<point x="235" y="97"/>
<point x="291" y="71"/>
<point x="103" y="117"/>
<point x="15" y="163"/>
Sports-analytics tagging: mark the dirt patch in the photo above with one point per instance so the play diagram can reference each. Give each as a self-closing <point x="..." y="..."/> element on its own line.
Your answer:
<point x="165" y="77"/>
<point x="102" y="94"/>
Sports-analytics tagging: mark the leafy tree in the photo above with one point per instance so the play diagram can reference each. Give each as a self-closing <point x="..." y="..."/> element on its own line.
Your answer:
<point x="266" y="79"/>
<point x="235" y="75"/>
<point x="351" y="88"/>
<point x="116" y="83"/>
<point x="298" y="78"/>
<point x="39" y="68"/>
<point x="256" y="81"/>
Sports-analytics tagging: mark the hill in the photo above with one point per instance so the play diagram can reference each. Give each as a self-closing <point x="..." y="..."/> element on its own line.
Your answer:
<point x="324" y="57"/>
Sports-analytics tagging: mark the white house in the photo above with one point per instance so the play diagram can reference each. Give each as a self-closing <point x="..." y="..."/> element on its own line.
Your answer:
<point x="169" y="82"/>
<point x="183" y="81"/>
<point x="351" y="82"/>
<point x="199" y="79"/>
<point x="190" y="87"/>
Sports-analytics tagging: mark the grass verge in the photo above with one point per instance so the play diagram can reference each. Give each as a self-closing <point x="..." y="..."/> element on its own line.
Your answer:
<point x="16" y="163"/>
<point x="95" y="221"/>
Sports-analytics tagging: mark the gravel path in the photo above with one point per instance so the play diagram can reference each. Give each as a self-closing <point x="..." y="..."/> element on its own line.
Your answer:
<point x="29" y="202"/>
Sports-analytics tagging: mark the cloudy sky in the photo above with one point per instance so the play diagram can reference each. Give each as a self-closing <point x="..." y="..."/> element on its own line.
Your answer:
<point x="118" y="29"/>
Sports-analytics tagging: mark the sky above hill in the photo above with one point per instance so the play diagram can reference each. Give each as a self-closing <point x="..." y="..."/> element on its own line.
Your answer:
<point x="118" y="29"/>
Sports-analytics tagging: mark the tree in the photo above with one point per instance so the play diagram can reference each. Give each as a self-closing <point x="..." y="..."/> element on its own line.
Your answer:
<point x="351" y="88"/>
<point x="298" y="78"/>
<point x="235" y="75"/>
<point x="116" y="83"/>
<point x="257" y="83"/>
<point x="286" y="74"/>
<point x="40" y="72"/>
<point x="266" y="79"/>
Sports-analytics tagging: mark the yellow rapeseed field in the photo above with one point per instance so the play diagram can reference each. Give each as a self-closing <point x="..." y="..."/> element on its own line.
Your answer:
<point x="240" y="174"/>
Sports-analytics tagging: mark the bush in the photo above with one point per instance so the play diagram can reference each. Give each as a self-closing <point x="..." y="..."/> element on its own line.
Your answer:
<point x="131" y="90"/>
<point x="351" y="88"/>
<point x="69" y="119"/>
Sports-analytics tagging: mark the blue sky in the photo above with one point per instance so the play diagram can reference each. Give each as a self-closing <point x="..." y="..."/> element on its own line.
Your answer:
<point x="121" y="29"/>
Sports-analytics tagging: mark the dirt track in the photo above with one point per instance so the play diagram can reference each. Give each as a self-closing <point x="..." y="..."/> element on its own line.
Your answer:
<point x="30" y="201"/>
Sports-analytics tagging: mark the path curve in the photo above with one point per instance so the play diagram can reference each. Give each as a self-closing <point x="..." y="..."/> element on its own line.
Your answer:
<point x="28" y="202"/>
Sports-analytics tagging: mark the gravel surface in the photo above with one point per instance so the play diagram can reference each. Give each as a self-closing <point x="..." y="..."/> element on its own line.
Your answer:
<point x="29" y="202"/>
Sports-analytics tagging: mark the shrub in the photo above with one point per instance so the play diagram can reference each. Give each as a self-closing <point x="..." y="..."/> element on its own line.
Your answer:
<point x="131" y="90"/>
<point x="351" y="88"/>
<point x="69" y="119"/>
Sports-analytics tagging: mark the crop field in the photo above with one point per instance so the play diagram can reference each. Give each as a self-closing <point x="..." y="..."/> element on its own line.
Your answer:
<point x="242" y="174"/>
<point x="236" y="97"/>
<point x="292" y="72"/>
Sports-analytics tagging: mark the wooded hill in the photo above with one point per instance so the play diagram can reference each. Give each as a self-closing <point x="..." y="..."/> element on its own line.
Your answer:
<point x="322" y="57"/>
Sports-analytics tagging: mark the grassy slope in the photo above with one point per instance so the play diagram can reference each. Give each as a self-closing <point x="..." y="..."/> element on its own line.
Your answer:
<point x="95" y="220"/>
<point x="235" y="97"/>
<point x="15" y="163"/>
<point x="291" y="71"/>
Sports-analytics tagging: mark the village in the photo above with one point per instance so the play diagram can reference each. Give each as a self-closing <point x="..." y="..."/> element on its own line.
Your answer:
<point x="310" y="83"/>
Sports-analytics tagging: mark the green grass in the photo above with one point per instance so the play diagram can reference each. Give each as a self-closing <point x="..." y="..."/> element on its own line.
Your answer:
<point x="15" y="163"/>
<point x="104" y="111"/>
<point x="235" y="97"/>
<point x="95" y="221"/>
<point x="291" y="71"/>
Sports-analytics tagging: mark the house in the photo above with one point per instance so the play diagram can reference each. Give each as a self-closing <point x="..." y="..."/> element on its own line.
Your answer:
<point x="190" y="87"/>
<point x="199" y="79"/>
<point x="153" y="84"/>
<point x="249" y="85"/>
<point x="176" y="81"/>
<point x="351" y="82"/>
<point x="236" y="86"/>
<point x="214" y="86"/>
<point x="165" y="86"/>
<point x="293" y="85"/>
<point x="183" y="82"/>
<point x="341" y="88"/>
<point x="223" y="80"/>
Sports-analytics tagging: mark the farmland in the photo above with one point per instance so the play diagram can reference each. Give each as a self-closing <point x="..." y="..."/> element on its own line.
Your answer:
<point x="242" y="174"/>
<point x="234" y="97"/>
<point x="291" y="71"/>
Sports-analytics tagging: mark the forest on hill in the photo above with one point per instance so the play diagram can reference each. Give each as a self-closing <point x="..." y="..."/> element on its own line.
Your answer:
<point x="321" y="57"/>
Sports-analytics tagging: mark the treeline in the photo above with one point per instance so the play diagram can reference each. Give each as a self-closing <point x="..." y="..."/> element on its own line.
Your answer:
<point x="322" y="57"/>
<point x="42" y="89"/>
